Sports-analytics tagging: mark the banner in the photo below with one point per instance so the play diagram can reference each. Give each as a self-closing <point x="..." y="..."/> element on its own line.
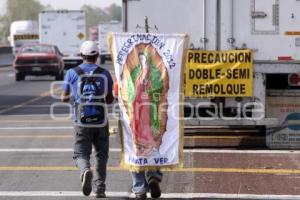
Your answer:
<point x="148" y="70"/>
<point x="219" y="73"/>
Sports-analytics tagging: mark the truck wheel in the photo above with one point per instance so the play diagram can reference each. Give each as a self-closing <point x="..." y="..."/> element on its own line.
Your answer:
<point x="19" y="77"/>
<point x="102" y="59"/>
<point x="62" y="75"/>
<point x="59" y="76"/>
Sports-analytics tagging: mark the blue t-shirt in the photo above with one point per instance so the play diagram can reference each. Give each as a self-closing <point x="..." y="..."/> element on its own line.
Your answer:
<point x="71" y="82"/>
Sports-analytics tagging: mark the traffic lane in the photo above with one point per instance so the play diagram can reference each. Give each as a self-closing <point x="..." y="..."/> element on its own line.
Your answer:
<point x="40" y="110"/>
<point x="34" y="91"/>
<point x="63" y="138"/>
<point x="38" y="156"/>
<point x="40" y="131"/>
<point x="33" y="85"/>
<point x="7" y="76"/>
<point x="42" y="104"/>
<point x="58" y="196"/>
<point x="15" y="161"/>
<point x="52" y="108"/>
<point x="188" y="179"/>
<point x="58" y="181"/>
<point x="29" y="99"/>
<point x="8" y="122"/>
<point x="14" y="124"/>
<point x="44" y="198"/>
<point x="173" y="182"/>
<point x="47" y="140"/>
<point x="19" y="94"/>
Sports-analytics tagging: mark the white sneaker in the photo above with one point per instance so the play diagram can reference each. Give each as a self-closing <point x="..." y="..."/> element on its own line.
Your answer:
<point x="86" y="185"/>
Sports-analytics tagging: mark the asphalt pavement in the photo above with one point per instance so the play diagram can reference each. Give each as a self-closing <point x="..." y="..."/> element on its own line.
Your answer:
<point x="36" y="157"/>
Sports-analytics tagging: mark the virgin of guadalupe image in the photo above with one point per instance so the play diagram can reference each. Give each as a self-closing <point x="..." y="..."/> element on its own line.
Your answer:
<point x="145" y="97"/>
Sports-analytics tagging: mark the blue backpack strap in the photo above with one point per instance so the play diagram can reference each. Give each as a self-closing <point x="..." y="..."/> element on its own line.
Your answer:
<point x="98" y="70"/>
<point x="78" y="71"/>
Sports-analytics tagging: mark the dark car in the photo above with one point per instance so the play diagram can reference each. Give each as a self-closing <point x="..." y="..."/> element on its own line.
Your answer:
<point x="38" y="60"/>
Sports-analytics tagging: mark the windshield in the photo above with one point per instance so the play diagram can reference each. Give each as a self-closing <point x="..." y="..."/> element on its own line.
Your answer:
<point x="38" y="49"/>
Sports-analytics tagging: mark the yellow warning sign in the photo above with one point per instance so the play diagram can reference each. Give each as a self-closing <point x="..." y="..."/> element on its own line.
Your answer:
<point x="80" y="36"/>
<point x="219" y="73"/>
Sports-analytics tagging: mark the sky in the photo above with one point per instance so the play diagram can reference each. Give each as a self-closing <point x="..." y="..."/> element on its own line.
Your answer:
<point x="70" y="4"/>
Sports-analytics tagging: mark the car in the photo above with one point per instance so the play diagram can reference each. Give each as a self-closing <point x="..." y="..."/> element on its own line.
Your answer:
<point x="38" y="60"/>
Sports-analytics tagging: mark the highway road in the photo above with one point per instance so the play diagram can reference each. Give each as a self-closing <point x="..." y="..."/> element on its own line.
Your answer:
<point x="36" y="157"/>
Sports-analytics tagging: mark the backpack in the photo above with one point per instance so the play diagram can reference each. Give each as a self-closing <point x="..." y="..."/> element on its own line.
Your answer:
<point x="89" y="107"/>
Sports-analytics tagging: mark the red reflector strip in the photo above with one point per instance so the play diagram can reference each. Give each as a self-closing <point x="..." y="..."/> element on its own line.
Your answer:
<point x="285" y="58"/>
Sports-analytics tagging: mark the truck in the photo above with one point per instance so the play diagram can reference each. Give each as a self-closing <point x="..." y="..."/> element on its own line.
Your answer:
<point x="104" y="29"/>
<point x="67" y="30"/>
<point x="23" y="32"/>
<point x="271" y="29"/>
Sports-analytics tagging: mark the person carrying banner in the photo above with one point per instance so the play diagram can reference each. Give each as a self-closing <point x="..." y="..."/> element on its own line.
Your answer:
<point x="90" y="88"/>
<point x="144" y="181"/>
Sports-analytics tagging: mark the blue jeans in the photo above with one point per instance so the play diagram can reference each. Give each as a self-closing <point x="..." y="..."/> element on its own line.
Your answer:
<point x="85" y="138"/>
<point x="140" y="180"/>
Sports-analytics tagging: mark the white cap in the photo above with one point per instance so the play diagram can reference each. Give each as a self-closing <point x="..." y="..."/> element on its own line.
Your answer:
<point x="89" y="48"/>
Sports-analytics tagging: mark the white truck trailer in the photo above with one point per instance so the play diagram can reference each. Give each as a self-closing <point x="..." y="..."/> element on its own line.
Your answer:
<point x="65" y="29"/>
<point x="22" y="33"/>
<point x="271" y="28"/>
<point x="103" y="30"/>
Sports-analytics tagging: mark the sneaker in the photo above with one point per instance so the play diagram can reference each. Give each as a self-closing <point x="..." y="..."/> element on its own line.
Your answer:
<point x="154" y="188"/>
<point x="100" y="195"/>
<point x="86" y="185"/>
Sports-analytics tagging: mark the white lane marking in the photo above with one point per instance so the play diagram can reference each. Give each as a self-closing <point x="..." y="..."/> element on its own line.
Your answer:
<point x="48" y="150"/>
<point x="39" y="127"/>
<point x="56" y="194"/>
<point x="36" y="128"/>
<point x="31" y="115"/>
<point x="230" y="151"/>
<point x="43" y="115"/>
<point x="164" y="195"/>
<point x="185" y="150"/>
<point x="10" y="75"/>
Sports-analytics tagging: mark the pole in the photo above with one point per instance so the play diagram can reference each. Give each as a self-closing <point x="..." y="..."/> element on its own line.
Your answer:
<point x="146" y="25"/>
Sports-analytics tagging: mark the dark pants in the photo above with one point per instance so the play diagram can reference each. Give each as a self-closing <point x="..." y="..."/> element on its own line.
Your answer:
<point x="85" y="138"/>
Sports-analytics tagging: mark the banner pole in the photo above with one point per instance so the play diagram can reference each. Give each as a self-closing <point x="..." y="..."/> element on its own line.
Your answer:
<point x="146" y="25"/>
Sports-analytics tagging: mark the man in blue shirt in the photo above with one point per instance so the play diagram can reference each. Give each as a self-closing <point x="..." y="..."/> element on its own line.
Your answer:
<point x="90" y="134"/>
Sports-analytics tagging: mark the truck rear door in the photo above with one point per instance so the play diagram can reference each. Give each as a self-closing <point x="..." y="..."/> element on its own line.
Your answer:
<point x="171" y="16"/>
<point x="264" y="26"/>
